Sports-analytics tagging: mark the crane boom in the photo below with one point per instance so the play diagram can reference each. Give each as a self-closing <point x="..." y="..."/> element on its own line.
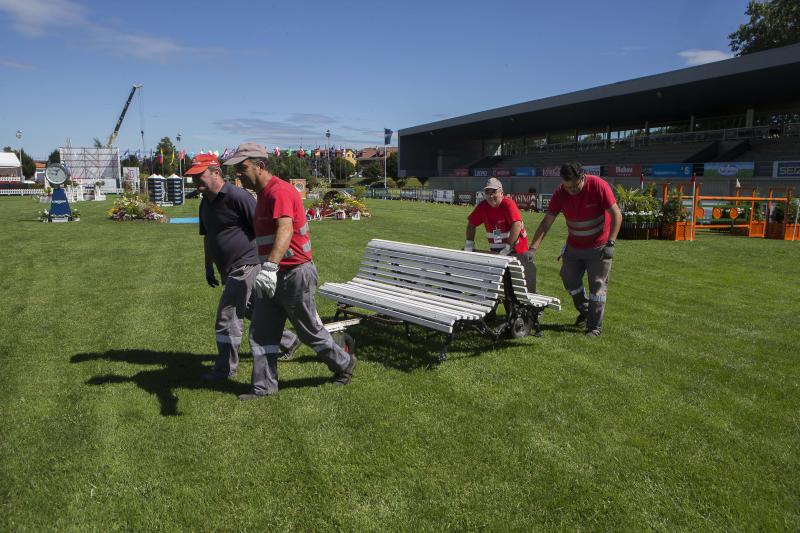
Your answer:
<point x="113" y="136"/>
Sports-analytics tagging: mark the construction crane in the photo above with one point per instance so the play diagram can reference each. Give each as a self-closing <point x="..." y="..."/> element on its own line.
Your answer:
<point x="113" y="136"/>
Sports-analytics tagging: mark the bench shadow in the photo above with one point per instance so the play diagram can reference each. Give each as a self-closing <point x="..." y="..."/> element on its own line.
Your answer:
<point x="176" y="370"/>
<point x="390" y="346"/>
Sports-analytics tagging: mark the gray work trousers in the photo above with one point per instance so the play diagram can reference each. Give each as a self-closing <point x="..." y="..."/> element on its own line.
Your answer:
<point x="294" y="299"/>
<point x="596" y="264"/>
<point x="235" y="305"/>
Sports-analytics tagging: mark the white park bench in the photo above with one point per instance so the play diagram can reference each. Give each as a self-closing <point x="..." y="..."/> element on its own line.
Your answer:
<point x="440" y="289"/>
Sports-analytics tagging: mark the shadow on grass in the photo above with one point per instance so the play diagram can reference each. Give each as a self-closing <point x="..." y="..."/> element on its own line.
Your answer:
<point x="390" y="346"/>
<point x="177" y="370"/>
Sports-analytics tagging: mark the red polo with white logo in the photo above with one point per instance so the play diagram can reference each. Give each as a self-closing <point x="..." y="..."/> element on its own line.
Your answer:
<point x="588" y="222"/>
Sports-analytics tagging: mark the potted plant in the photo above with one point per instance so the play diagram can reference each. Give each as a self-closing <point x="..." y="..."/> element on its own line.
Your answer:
<point x="757" y="224"/>
<point x="674" y="216"/>
<point x="782" y="221"/>
<point x="640" y="212"/>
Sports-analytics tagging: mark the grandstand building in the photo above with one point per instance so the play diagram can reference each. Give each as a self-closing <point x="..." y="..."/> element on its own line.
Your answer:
<point x="731" y="121"/>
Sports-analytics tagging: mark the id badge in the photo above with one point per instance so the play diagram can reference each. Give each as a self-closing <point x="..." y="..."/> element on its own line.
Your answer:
<point x="497" y="236"/>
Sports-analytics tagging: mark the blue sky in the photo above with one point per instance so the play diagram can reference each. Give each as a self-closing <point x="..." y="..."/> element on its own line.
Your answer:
<point x="282" y="73"/>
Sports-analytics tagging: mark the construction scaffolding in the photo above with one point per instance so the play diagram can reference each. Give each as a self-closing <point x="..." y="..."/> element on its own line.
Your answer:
<point x="87" y="166"/>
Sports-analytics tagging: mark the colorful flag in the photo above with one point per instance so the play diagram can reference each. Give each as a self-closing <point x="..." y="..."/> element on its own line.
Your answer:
<point x="173" y="157"/>
<point x="641" y="181"/>
<point x="161" y="156"/>
<point x="738" y="185"/>
<point x="277" y="151"/>
<point x="182" y="155"/>
<point x="387" y="136"/>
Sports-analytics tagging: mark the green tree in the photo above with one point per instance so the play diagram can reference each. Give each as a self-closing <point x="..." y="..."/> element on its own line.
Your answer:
<point x="130" y="161"/>
<point x="772" y="23"/>
<point x="28" y="165"/>
<point x="373" y="171"/>
<point x="291" y="167"/>
<point x="391" y="165"/>
<point x="170" y="163"/>
<point x="54" y="157"/>
<point x="342" y="169"/>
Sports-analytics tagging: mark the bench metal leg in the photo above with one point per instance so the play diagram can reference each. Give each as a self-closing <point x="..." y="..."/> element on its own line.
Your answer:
<point x="445" y="347"/>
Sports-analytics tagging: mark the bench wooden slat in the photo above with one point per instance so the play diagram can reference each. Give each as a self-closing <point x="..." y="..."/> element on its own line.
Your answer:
<point x="456" y="279"/>
<point x="427" y="309"/>
<point x="474" y="298"/>
<point x="384" y="304"/>
<point x="456" y="305"/>
<point x="457" y="255"/>
<point x="408" y="275"/>
<point x="423" y="261"/>
<point x="394" y="313"/>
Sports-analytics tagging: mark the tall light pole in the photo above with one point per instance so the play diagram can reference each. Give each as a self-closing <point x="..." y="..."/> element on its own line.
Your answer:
<point x="328" y="151"/>
<point x="19" y="140"/>
<point x="180" y="159"/>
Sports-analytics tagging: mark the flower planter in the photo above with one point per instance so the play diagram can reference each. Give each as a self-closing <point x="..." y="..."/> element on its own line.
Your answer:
<point x="776" y="230"/>
<point x="756" y="229"/>
<point x="676" y="231"/>
<point x="638" y="230"/>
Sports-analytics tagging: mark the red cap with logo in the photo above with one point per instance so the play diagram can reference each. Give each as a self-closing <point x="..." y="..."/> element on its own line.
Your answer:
<point x="201" y="162"/>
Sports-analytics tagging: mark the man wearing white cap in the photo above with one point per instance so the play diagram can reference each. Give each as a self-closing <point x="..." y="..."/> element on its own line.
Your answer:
<point x="505" y="230"/>
<point x="287" y="282"/>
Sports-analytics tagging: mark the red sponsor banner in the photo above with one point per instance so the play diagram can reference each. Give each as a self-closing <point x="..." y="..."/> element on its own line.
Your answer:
<point x="524" y="200"/>
<point x="465" y="197"/>
<point x="624" y="171"/>
<point x="502" y="172"/>
<point x="551" y="172"/>
<point x="461" y="172"/>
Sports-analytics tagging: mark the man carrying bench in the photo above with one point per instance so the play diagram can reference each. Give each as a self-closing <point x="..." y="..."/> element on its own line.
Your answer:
<point x="505" y="230"/>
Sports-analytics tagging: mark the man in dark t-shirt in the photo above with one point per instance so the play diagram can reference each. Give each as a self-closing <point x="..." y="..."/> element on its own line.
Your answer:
<point x="226" y="223"/>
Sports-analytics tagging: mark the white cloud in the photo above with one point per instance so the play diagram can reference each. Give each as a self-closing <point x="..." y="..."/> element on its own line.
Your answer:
<point x="15" y="64"/>
<point x="696" y="56"/>
<point x="32" y="17"/>
<point x="35" y="17"/>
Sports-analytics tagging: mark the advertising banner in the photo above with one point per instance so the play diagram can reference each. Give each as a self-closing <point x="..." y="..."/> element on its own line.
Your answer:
<point x="481" y="172"/>
<point x="461" y="172"/>
<point x="592" y="169"/>
<point x="670" y="170"/>
<point x="624" y="171"/>
<point x="786" y="169"/>
<point x="524" y="200"/>
<point x="502" y="172"/>
<point x="465" y="198"/>
<point x="551" y="172"/>
<point x="728" y="170"/>
<point x="443" y="195"/>
<point x="525" y="171"/>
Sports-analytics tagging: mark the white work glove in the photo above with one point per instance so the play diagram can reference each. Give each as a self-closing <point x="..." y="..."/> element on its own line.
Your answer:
<point x="266" y="280"/>
<point x="506" y="250"/>
<point x="469" y="246"/>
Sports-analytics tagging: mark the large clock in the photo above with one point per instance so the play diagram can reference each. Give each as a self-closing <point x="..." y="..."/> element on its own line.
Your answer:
<point x="56" y="174"/>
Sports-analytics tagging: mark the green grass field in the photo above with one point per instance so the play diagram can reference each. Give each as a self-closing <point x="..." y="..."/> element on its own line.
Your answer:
<point x="684" y="415"/>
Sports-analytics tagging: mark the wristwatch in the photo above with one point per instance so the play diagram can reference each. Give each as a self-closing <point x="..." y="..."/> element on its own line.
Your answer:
<point x="611" y="242"/>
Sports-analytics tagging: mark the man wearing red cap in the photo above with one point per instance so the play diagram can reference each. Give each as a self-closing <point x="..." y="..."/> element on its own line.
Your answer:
<point x="505" y="230"/>
<point x="287" y="283"/>
<point x="226" y="223"/>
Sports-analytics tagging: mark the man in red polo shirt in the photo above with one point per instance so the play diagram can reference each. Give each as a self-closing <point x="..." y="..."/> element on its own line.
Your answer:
<point x="286" y="285"/>
<point x="505" y="230"/>
<point x="593" y="222"/>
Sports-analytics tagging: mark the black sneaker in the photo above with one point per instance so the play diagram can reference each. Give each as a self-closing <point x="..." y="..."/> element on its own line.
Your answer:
<point x="580" y="321"/>
<point x="252" y="396"/>
<point x="343" y="378"/>
<point x="288" y="355"/>
<point x="216" y="376"/>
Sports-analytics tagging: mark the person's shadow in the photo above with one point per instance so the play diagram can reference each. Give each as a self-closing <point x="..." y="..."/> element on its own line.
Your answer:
<point x="176" y="370"/>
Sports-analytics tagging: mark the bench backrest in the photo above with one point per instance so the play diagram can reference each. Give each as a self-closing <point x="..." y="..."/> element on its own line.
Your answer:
<point x="471" y="277"/>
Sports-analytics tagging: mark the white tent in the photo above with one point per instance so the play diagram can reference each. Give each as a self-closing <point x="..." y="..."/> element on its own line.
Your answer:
<point x="10" y="167"/>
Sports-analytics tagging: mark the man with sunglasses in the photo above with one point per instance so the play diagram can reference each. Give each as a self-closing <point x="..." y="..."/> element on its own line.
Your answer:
<point x="286" y="285"/>
<point x="593" y="221"/>
<point x="226" y="224"/>
<point x="505" y="230"/>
